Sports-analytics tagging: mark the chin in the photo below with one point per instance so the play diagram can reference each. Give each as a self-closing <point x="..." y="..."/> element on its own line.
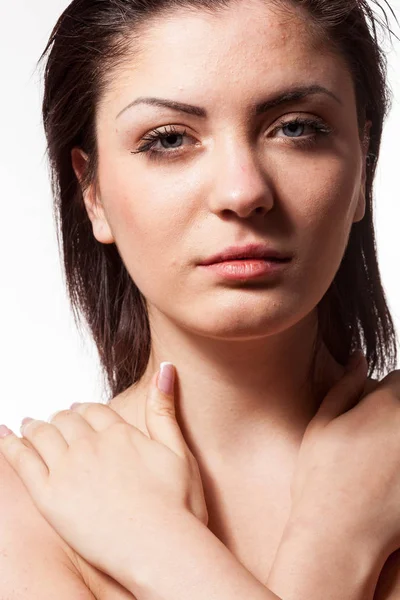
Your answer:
<point x="241" y="322"/>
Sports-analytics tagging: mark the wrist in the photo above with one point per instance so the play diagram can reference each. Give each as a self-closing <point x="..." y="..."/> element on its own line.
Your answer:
<point x="329" y="562"/>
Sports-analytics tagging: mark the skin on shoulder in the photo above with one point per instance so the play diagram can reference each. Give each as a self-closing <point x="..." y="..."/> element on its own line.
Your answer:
<point x="45" y="566"/>
<point x="101" y="585"/>
<point x="30" y="526"/>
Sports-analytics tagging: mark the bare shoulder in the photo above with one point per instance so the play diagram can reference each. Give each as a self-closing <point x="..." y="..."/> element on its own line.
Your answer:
<point x="388" y="586"/>
<point x="393" y="377"/>
<point x="35" y="562"/>
<point x="370" y="385"/>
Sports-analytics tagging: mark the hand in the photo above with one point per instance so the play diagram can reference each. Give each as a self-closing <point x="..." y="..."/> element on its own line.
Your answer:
<point x="347" y="477"/>
<point x="109" y="490"/>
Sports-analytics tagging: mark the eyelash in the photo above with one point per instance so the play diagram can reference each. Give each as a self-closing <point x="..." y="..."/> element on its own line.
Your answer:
<point x="320" y="129"/>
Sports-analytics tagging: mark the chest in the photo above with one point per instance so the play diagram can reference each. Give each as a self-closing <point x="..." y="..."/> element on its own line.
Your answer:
<point x="253" y="540"/>
<point x="249" y="519"/>
<point x="248" y="516"/>
<point x="252" y="531"/>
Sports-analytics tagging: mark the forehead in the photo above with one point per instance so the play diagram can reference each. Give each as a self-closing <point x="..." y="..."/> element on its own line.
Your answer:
<point x="248" y="46"/>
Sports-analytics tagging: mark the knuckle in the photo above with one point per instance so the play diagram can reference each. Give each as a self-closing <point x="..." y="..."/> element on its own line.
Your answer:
<point x="164" y="410"/>
<point x="20" y="457"/>
<point x="86" y="408"/>
<point x="59" y="414"/>
<point x="84" y="444"/>
<point x="118" y="429"/>
<point x="35" y="427"/>
<point x="89" y="408"/>
<point x="83" y="450"/>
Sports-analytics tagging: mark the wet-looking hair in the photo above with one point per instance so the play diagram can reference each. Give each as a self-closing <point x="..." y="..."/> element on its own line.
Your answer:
<point x="91" y="40"/>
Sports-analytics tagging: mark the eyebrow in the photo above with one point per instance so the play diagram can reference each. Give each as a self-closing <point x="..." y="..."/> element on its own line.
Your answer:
<point x="290" y="95"/>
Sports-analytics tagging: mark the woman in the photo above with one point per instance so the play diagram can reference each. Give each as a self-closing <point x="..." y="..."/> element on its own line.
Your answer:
<point x="243" y="252"/>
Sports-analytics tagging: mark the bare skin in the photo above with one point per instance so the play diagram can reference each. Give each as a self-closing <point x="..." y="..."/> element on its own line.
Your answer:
<point x="247" y="512"/>
<point x="242" y="349"/>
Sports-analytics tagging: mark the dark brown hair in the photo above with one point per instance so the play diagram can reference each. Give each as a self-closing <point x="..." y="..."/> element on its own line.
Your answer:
<point x="90" y="41"/>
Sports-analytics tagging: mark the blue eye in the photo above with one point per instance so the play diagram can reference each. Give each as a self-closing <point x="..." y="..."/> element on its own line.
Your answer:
<point x="317" y="126"/>
<point x="296" y="126"/>
<point x="171" y="136"/>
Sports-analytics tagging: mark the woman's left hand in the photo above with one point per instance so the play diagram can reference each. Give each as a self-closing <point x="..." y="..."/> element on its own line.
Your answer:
<point x="111" y="492"/>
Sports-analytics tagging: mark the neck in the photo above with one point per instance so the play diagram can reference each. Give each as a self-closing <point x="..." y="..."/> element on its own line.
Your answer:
<point x="234" y="398"/>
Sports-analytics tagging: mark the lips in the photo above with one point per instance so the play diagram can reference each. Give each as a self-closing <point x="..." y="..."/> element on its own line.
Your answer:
<point x="266" y="258"/>
<point x="249" y="252"/>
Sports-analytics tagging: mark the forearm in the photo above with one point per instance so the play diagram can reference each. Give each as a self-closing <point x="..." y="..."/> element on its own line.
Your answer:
<point x="313" y="565"/>
<point x="194" y="563"/>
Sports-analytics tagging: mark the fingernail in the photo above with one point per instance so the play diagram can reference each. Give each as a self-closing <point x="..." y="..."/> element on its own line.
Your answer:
<point x="23" y="423"/>
<point x="74" y="405"/>
<point x="4" y="431"/>
<point x="166" y="378"/>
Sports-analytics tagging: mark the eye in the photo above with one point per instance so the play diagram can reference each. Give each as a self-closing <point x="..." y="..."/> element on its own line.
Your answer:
<point x="294" y="130"/>
<point x="169" y="138"/>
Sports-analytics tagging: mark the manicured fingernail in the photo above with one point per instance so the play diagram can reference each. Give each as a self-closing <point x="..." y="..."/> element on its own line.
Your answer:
<point x="23" y="423"/>
<point x="4" y="431"/>
<point x="166" y="378"/>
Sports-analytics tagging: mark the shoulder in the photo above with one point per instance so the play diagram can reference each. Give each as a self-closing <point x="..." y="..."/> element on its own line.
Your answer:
<point x="16" y="502"/>
<point x="37" y="558"/>
<point x="370" y="385"/>
<point x="32" y="555"/>
<point x="388" y="587"/>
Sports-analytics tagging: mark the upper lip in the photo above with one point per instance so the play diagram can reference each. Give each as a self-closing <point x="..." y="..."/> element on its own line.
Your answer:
<point x="248" y="251"/>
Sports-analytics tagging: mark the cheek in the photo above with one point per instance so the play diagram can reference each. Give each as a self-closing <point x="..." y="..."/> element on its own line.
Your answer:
<point x="147" y="225"/>
<point x="324" y="210"/>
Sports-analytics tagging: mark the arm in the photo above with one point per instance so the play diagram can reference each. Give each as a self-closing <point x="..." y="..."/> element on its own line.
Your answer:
<point x="33" y="565"/>
<point x="194" y="563"/>
<point x="320" y="564"/>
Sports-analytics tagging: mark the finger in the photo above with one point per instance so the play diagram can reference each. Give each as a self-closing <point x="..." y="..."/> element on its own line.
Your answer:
<point x="47" y="440"/>
<point x="102" y="418"/>
<point x="345" y="394"/>
<point x="160" y="411"/>
<point x="71" y="425"/>
<point x="26" y="462"/>
<point x="99" y="416"/>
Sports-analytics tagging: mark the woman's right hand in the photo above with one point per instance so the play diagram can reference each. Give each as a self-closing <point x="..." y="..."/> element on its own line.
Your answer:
<point x="347" y="476"/>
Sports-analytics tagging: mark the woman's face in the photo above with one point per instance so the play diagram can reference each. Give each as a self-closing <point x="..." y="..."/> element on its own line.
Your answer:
<point x="234" y="177"/>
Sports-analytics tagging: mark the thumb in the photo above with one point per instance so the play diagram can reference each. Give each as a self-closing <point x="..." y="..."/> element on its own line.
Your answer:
<point x="160" y="411"/>
<point x="346" y="393"/>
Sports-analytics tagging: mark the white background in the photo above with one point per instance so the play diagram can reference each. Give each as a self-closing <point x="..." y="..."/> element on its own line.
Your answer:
<point x="45" y="363"/>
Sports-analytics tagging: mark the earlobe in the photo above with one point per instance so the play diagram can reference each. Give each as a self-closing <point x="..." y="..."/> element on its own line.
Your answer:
<point x="360" y="210"/>
<point x="101" y="228"/>
<point x="93" y="205"/>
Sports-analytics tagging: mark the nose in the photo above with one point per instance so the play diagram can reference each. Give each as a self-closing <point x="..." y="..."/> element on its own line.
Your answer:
<point x="241" y="186"/>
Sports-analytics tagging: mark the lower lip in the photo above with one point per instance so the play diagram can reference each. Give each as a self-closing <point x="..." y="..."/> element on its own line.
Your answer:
<point x="246" y="269"/>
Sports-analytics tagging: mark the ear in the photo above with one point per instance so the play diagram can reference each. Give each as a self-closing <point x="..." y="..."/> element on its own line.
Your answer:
<point x="94" y="207"/>
<point x="360" y="209"/>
